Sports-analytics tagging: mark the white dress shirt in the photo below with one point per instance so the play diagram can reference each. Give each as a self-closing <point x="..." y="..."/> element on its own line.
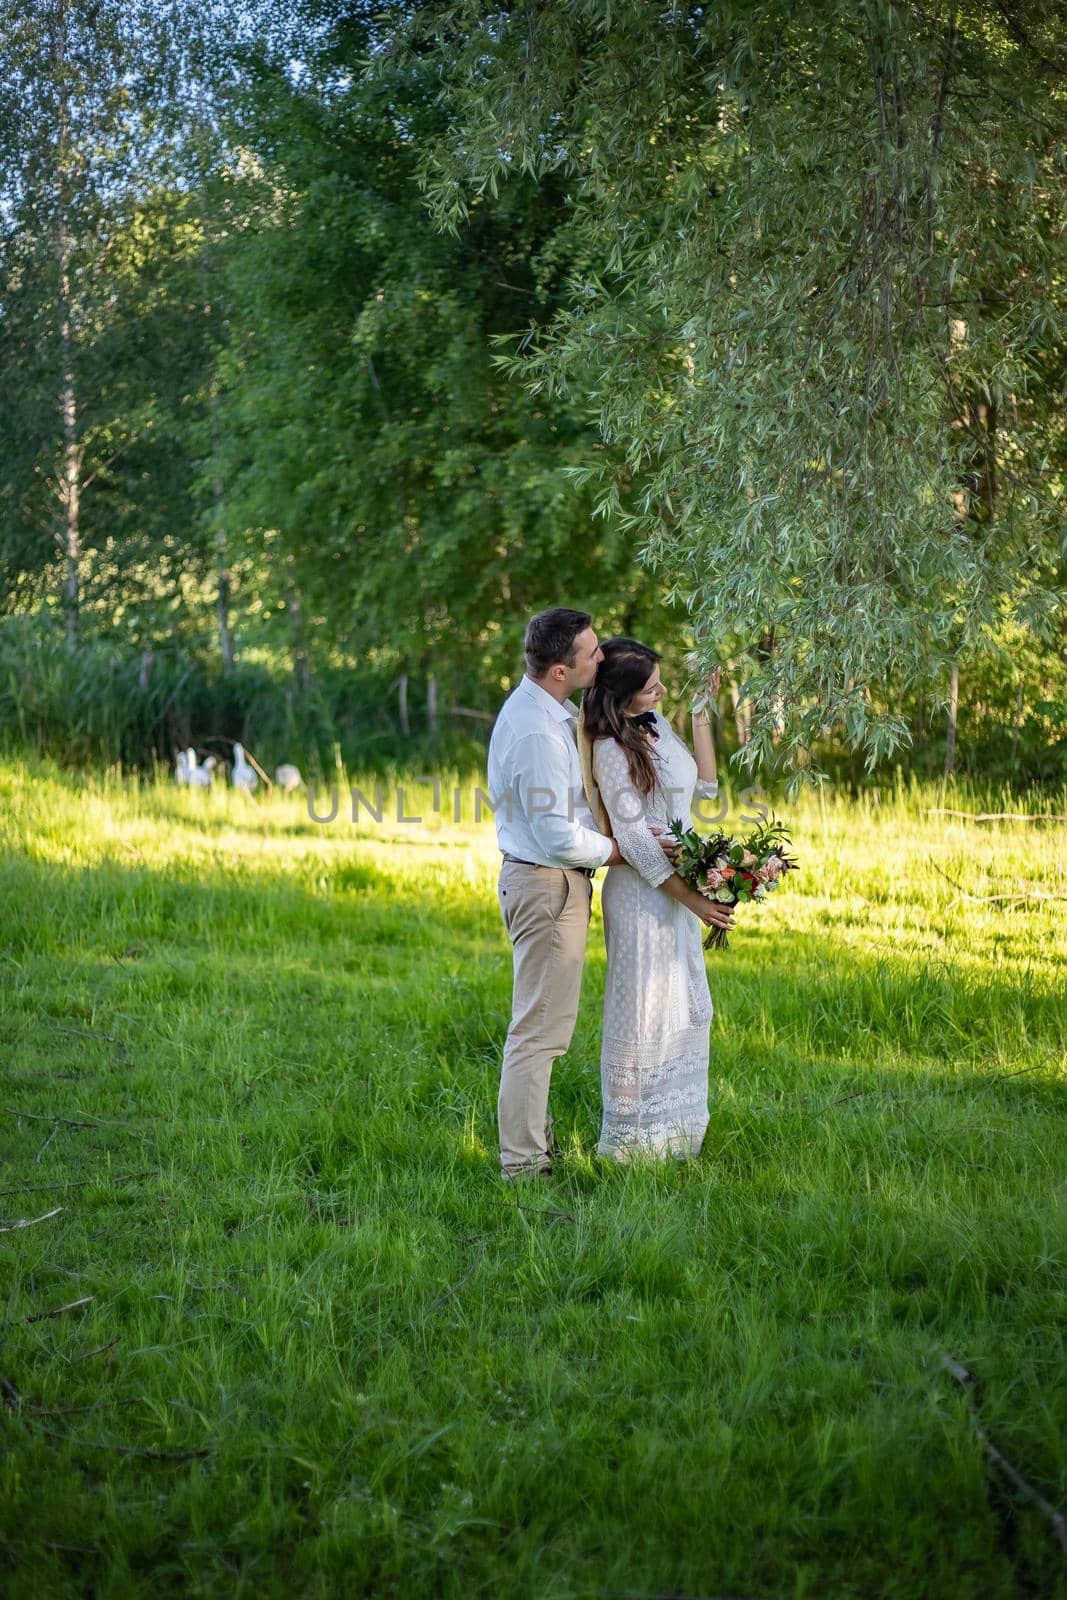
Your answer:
<point x="535" y="783"/>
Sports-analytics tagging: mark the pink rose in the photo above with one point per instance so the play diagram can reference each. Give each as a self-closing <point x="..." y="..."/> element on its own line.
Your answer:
<point x="714" y="879"/>
<point x="748" y="859"/>
<point x="774" y="865"/>
<point x="728" y="872"/>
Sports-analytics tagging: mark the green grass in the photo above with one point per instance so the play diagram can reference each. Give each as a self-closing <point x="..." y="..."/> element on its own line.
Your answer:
<point x="715" y="1380"/>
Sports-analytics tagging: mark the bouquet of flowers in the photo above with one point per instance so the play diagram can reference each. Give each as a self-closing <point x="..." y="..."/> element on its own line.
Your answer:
<point x="732" y="871"/>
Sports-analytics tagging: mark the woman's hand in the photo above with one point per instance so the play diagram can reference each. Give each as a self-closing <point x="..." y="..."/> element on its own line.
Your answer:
<point x="707" y="694"/>
<point x="712" y="913"/>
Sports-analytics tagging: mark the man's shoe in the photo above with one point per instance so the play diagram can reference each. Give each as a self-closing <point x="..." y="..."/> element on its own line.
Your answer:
<point x="524" y="1174"/>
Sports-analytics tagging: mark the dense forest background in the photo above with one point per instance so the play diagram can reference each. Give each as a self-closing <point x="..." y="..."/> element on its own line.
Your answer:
<point x="292" y="439"/>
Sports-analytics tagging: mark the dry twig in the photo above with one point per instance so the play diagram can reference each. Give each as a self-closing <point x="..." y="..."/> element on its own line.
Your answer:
<point x="982" y="899"/>
<point x="93" y="1033"/>
<point x="40" y="1116"/>
<point x="1056" y="1519"/>
<point x="1020" y="1072"/>
<point x="994" y="816"/>
<point x="72" y="1305"/>
<point x="30" y="1222"/>
<point x="454" y="1288"/>
<point x="539" y="1211"/>
<point x="97" y="1405"/>
<point x="52" y="1133"/>
<point x="99" y="1351"/>
<point x="125" y="1449"/>
<point x="1008" y="899"/>
<point x="80" y="1183"/>
<point x="961" y="1088"/>
<point x="87" y="1033"/>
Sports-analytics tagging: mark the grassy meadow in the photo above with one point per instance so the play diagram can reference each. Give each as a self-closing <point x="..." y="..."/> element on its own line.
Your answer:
<point x="287" y="1333"/>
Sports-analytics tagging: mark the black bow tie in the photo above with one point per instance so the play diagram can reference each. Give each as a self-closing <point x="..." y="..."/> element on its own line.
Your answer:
<point x="646" y="720"/>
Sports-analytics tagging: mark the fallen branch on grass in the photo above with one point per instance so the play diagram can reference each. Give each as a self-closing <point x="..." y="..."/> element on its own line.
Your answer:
<point x="454" y="1288"/>
<point x="31" y="1222"/>
<point x="72" y="1305"/>
<point x="67" y="1183"/>
<point x="984" y="899"/>
<point x="40" y="1116"/>
<point x="53" y="1130"/>
<point x="93" y="1033"/>
<point x="1056" y="1519"/>
<point x="539" y="1211"/>
<point x="68" y="1122"/>
<point x="97" y="1405"/>
<point x="14" y="1401"/>
<point x="99" y="1351"/>
<point x="1002" y="1077"/>
<point x="994" y="816"/>
<point x="86" y="1033"/>
<point x="961" y="1088"/>
<point x="126" y="1449"/>
<point x="1011" y="899"/>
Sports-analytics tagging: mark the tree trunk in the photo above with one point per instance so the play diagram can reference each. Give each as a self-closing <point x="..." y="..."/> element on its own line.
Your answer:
<point x="147" y="661"/>
<point x="301" y="670"/>
<point x="223" y="591"/>
<point x="402" y="697"/>
<point x="225" y="630"/>
<point x="765" y="649"/>
<point x="1017" y="721"/>
<point x="953" y="705"/>
<point x="70" y="482"/>
<point x="431" y="703"/>
<point x="69" y="536"/>
<point x="224" y="587"/>
<point x="739" y="715"/>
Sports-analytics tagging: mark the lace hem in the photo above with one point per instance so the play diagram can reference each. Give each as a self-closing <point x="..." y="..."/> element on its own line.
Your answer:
<point x="682" y="1138"/>
<point x="643" y="1108"/>
<point x="668" y="1050"/>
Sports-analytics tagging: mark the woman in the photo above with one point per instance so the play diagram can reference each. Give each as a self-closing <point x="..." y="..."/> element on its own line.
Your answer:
<point x="657" y="1008"/>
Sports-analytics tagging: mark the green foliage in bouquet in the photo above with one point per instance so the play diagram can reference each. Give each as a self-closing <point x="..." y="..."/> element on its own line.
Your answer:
<point x="732" y="871"/>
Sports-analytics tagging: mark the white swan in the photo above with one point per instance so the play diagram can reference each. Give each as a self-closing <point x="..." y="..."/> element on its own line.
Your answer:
<point x="288" y="777"/>
<point x="200" y="777"/>
<point x="243" y="776"/>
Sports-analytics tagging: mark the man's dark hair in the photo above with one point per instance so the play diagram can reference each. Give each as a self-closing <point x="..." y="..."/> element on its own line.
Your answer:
<point x="550" y="639"/>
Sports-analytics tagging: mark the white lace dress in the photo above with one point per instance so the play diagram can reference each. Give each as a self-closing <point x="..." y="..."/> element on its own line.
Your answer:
<point x="657" y="1006"/>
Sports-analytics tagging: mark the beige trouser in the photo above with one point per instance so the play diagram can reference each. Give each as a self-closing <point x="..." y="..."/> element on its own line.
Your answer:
<point x="546" y="914"/>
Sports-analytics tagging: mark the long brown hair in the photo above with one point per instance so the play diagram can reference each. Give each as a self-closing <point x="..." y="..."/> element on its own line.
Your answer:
<point x="624" y="671"/>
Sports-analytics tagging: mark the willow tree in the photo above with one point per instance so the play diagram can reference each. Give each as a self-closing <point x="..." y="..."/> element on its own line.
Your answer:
<point x="819" y="319"/>
<point x="383" y="477"/>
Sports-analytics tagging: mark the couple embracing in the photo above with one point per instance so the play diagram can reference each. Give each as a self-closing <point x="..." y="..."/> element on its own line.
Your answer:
<point x="572" y="794"/>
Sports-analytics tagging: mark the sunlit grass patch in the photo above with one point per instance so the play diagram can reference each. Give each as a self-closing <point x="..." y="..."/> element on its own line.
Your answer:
<point x="316" y="1347"/>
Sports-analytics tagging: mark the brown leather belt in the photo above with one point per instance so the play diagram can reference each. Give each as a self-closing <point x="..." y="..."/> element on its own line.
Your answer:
<point x="519" y="862"/>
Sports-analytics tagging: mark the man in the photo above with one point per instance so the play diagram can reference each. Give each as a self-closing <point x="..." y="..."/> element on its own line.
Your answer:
<point x="551" y="848"/>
